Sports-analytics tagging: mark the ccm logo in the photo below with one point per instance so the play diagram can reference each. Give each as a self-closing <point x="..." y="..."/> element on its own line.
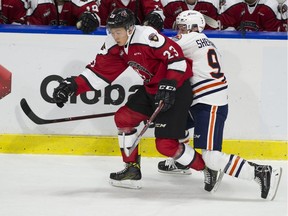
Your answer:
<point x="169" y="88"/>
<point x="158" y="125"/>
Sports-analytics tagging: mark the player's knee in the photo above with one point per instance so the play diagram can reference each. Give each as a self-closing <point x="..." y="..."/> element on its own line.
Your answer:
<point x="187" y="156"/>
<point x="120" y="119"/>
<point x="167" y="147"/>
<point x="213" y="159"/>
<point x="127" y="118"/>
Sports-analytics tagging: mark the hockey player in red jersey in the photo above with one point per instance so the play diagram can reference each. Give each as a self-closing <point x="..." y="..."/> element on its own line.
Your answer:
<point x="142" y="9"/>
<point x="174" y="7"/>
<point x="82" y="14"/>
<point x="251" y="15"/>
<point x="13" y="12"/>
<point x="283" y="13"/>
<point x="209" y="111"/>
<point x="165" y="71"/>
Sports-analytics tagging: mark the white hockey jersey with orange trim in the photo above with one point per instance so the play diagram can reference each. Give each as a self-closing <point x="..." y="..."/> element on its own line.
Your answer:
<point x="208" y="82"/>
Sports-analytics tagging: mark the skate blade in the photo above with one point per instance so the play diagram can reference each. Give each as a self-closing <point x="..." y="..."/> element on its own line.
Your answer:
<point x="218" y="182"/>
<point x="275" y="180"/>
<point x="132" y="184"/>
<point x="177" y="172"/>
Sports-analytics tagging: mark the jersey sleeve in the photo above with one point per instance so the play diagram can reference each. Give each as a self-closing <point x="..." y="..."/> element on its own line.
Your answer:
<point x="105" y="68"/>
<point x="79" y="7"/>
<point x="172" y="56"/>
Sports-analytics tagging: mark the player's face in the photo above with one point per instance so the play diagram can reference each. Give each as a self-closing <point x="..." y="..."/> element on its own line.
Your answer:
<point x="182" y="29"/>
<point x="120" y="35"/>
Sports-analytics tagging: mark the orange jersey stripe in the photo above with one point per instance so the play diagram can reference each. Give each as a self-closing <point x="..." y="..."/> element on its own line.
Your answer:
<point x="208" y="86"/>
<point x="211" y="127"/>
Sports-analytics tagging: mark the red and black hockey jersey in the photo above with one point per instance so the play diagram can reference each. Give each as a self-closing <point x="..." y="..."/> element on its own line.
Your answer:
<point x="151" y="55"/>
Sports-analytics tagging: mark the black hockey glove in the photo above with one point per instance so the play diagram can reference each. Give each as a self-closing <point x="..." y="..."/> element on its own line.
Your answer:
<point x="166" y="93"/>
<point x="65" y="89"/>
<point x="154" y="20"/>
<point x="88" y="22"/>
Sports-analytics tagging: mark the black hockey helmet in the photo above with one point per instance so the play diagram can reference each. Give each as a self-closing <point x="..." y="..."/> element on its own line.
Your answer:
<point x="121" y="17"/>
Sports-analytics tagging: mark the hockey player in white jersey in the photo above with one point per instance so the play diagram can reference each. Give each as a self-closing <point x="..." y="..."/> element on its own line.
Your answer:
<point x="209" y="111"/>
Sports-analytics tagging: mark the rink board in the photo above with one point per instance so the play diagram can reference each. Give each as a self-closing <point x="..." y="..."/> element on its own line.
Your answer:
<point x="255" y="129"/>
<point x="108" y="146"/>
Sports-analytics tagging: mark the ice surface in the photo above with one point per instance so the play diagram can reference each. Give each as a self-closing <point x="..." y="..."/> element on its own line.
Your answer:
<point x="44" y="185"/>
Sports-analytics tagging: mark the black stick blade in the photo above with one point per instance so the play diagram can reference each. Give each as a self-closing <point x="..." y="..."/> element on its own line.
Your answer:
<point x="37" y="120"/>
<point x="30" y="114"/>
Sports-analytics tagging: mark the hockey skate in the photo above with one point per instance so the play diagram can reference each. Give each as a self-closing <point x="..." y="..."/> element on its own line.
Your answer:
<point x="212" y="179"/>
<point x="268" y="179"/>
<point x="129" y="177"/>
<point x="171" y="166"/>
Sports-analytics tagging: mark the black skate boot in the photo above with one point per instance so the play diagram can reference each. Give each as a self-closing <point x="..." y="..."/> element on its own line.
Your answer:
<point x="268" y="179"/>
<point x="129" y="177"/>
<point x="171" y="166"/>
<point x="211" y="179"/>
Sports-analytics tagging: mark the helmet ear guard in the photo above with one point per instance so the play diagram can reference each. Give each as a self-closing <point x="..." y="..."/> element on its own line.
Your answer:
<point x="191" y="19"/>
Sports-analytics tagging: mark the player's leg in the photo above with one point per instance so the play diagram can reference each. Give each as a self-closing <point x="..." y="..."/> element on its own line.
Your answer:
<point x="208" y="134"/>
<point x="170" y="166"/>
<point x="127" y="118"/>
<point x="233" y="165"/>
<point x="266" y="176"/>
<point x="170" y="126"/>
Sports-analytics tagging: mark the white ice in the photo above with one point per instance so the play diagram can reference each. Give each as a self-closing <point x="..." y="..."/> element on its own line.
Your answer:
<point x="44" y="185"/>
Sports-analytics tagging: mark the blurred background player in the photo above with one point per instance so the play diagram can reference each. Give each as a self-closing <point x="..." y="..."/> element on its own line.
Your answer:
<point x="13" y="12"/>
<point x="250" y="15"/>
<point x="283" y="12"/>
<point x="174" y="7"/>
<point x="144" y="10"/>
<point x="209" y="110"/>
<point x="82" y="14"/>
<point x="165" y="72"/>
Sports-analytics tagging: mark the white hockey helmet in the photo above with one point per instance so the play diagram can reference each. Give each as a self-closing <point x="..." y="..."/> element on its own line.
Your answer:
<point x="191" y="18"/>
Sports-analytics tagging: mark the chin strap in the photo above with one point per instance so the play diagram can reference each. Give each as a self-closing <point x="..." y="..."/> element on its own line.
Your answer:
<point x="131" y="30"/>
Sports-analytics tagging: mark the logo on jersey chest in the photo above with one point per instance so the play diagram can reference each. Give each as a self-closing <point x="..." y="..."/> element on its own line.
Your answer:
<point x="142" y="71"/>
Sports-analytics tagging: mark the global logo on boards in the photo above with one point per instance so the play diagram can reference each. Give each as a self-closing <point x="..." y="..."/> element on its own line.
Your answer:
<point x="114" y="94"/>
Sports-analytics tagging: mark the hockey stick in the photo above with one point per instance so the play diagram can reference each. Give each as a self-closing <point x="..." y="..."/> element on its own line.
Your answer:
<point x="149" y="122"/>
<point x="210" y="21"/>
<point x="37" y="120"/>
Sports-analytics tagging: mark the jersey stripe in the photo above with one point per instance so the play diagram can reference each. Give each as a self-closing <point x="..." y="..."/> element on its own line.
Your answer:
<point x="95" y="81"/>
<point x="212" y="121"/>
<point x="209" y="92"/>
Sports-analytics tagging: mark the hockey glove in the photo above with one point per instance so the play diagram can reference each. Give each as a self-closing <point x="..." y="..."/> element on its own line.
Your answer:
<point x="65" y="89"/>
<point x="167" y="93"/>
<point x="88" y="22"/>
<point x="154" y="20"/>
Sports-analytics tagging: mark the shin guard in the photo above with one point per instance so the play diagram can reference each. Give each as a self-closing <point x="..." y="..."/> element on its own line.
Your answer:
<point x="126" y="141"/>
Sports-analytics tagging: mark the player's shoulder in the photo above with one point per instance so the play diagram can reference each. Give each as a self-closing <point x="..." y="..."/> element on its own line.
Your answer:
<point x="108" y="44"/>
<point x="214" y="2"/>
<point x="42" y="2"/>
<point x="147" y="35"/>
<point x="273" y="4"/>
<point x="33" y="4"/>
<point x="191" y="36"/>
<point x="227" y="4"/>
<point x="171" y="2"/>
